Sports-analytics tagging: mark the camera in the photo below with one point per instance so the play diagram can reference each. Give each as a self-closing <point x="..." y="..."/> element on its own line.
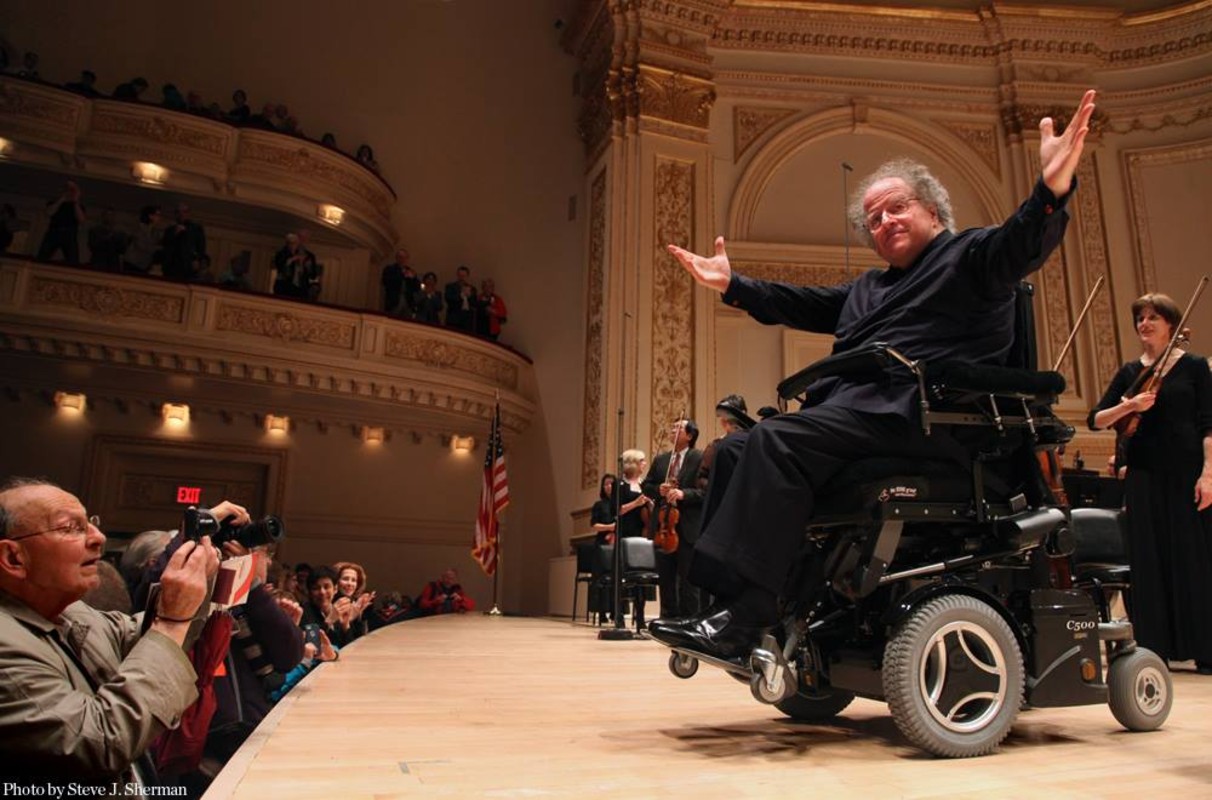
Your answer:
<point x="201" y="522"/>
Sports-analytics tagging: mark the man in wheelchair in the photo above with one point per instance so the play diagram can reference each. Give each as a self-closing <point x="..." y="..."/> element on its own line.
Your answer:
<point x="944" y="296"/>
<point x="903" y="536"/>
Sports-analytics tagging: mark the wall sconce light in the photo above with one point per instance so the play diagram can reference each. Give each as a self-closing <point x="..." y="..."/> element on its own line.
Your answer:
<point x="175" y="414"/>
<point x="149" y="173"/>
<point x="277" y="426"/>
<point x="70" y="402"/>
<point x="373" y="435"/>
<point x="333" y="215"/>
<point x="462" y="444"/>
<point x="6" y="147"/>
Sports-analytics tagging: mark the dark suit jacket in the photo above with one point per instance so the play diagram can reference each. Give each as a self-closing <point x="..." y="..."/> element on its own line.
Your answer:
<point x="690" y="506"/>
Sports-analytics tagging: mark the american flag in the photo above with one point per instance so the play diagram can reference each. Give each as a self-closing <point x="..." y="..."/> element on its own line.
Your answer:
<point x="494" y="496"/>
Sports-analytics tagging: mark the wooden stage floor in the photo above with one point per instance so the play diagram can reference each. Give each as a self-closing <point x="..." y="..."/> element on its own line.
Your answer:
<point x="470" y="707"/>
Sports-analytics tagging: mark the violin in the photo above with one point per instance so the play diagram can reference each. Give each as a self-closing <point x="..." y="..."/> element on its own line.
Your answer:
<point x="665" y="538"/>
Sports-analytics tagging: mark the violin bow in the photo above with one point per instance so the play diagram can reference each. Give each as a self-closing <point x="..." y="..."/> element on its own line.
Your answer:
<point x="1077" y="326"/>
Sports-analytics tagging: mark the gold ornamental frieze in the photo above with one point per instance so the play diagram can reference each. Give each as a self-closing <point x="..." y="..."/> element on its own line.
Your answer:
<point x="750" y="122"/>
<point x="595" y="332"/>
<point x="285" y="326"/>
<point x="106" y="301"/>
<point x="44" y="117"/>
<point x="674" y="97"/>
<point x="437" y="354"/>
<point x="299" y="161"/>
<point x="111" y="118"/>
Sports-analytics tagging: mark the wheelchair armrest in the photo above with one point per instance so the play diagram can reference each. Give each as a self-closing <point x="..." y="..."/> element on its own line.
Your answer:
<point x="867" y="364"/>
<point x="957" y="377"/>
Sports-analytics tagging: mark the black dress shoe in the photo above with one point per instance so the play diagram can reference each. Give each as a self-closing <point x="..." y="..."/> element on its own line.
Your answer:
<point x="715" y="633"/>
<point x="1203" y="668"/>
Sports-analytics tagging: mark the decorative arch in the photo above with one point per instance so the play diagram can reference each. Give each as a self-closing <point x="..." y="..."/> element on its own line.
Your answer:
<point x="894" y="125"/>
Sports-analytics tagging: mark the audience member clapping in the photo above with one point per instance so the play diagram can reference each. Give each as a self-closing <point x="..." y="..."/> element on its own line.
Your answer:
<point x="351" y="588"/>
<point x="107" y="244"/>
<point x="131" y="90"/>
<point x="84" y="693"/>
<point x="184" y="245"/>
<point x="172" y="98"/>
<point x="490" y="311"/>
<point x="429" y="303"/>
<point x="86" y="86"/>
<point x="63" y="229"/>
<point x="236" y="276"/>
<point x="445" y="596"/>
<point x="321" y="610"/>
<point x="240" y="112"/>
<point x="144" y="250"/>
<point x="460" y="297"/>
<point x="392" y="607"/>
<point x="366" y="157"/>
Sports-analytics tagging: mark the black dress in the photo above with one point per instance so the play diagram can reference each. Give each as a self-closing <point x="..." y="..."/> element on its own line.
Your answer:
<point x="632" y="522"/>
<point x="1169" y="542"/>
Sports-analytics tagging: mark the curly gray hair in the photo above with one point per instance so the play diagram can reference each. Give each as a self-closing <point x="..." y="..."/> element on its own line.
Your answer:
<point x="926" y="188"/>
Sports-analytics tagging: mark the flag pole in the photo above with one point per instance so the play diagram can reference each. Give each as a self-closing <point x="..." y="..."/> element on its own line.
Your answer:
<point x="495" y="611"/>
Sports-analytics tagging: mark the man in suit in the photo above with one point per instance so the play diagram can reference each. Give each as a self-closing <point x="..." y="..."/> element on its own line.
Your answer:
<point x="681" y="465"/>
<point x="944" y="295"/>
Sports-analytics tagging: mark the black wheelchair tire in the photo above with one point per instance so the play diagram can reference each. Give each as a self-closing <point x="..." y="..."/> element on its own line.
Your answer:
<point x="911" y="662"/>
<point x="803" y="707"/>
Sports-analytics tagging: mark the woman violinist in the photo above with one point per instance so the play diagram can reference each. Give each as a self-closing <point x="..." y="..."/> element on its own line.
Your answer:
<point x="1168" y="486"/>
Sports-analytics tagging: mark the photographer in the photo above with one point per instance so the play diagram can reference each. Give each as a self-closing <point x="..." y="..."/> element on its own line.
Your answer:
<point x="84" y="693"/>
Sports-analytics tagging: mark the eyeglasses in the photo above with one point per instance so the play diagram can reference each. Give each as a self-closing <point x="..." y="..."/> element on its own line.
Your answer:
<point x="69" y="530"/>
<point x="897" y="208"/>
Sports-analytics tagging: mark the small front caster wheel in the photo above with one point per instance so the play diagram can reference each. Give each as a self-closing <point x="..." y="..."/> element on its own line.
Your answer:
<point x="682" y="665"/>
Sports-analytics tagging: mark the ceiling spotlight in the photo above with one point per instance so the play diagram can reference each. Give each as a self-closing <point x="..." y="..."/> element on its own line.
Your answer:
<point x="333" y="215"/>
<point x="149" y="173"/>
<point x="70" y="402"/>
<point x="373" y="435"/>
<point x="462" y="444"/>
<point x="276" y="425"/>
<point x="175" y="414"/>
<point x="6" y="146"/>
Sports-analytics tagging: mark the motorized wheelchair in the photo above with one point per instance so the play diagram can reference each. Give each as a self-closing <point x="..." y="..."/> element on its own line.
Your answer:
<point x="945" y="587"/>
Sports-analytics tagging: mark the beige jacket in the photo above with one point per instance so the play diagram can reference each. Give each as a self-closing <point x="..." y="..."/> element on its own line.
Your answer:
<point x="57" y="722"/>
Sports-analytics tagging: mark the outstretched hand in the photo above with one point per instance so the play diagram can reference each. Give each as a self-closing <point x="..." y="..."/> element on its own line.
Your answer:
<point x="1059" y="155"/>
<point x="714" y="272"/>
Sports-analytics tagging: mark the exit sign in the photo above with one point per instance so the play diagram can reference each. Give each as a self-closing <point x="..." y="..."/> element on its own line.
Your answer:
<point x="189" y="494"/>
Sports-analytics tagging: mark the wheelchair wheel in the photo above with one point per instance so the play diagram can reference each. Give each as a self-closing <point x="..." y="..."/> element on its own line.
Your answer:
<point x="953" y="677"/>
<point x="682" y="665"/>
<point x="1140" y="691"/>
<point x="816" y="707"/>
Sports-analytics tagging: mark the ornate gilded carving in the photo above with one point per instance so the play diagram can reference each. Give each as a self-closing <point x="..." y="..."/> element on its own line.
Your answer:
<point x="802" y="274"/>
<point x="17" y="101"/>
<point x="1096" y="264"/>
<point x="981" y="138"/>
<point x="750" y="122"/>
<point x="675" y="97"/>
<point x="285" y="326"/>
<point x="672" y="300"/>
<point x="1018" y="118"/>
<point x="595" y="386"/>
<point x="437" y="354"/>
<point x="107" y="301"/>
<point x="161" y="129"/>
<point x="300" y="161"/>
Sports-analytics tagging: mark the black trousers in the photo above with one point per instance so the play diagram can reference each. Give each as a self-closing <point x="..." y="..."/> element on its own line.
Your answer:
<point x="761" y="491"/>
<point x="679" y="597"/>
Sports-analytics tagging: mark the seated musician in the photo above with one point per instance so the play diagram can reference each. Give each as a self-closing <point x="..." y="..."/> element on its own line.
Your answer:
<point x="943" y="296"/>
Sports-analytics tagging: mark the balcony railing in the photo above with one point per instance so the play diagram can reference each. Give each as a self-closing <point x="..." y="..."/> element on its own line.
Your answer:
<point x="44" y="126"/>
<point x="419" y="370"/>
